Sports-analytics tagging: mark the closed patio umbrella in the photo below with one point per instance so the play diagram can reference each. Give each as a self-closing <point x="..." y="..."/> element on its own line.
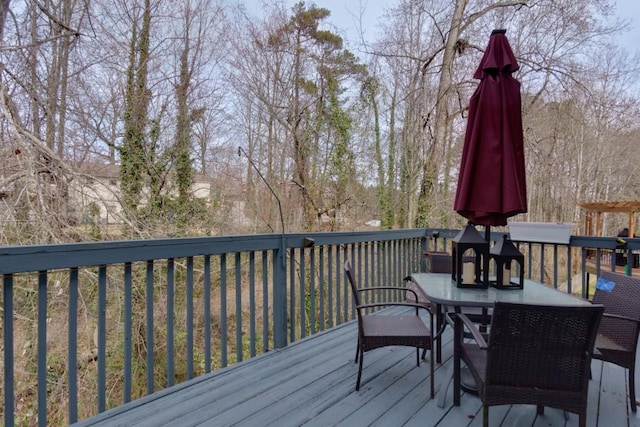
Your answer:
<point x="491" y="181"/>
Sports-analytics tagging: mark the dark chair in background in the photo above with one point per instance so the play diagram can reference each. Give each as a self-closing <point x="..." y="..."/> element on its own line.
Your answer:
<point x="618" y="334"/>
<point x="441" y="262"/>
<point x="536" y="354"/>
<point x="438" y="261"/>
<point x="378" y="329"/>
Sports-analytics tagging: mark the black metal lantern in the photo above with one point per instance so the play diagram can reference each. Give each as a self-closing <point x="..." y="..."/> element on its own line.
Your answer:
<point x="503" y="255"/>
<point x="470" y="258"/>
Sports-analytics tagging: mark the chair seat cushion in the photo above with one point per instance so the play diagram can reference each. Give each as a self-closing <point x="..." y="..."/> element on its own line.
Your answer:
<point x="607" y="350"/>
<point x="604" y="343"/>
<point x="381" y="330"/>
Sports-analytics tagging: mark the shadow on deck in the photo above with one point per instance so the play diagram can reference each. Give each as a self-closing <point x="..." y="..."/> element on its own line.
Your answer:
<point x="312" y="383"/>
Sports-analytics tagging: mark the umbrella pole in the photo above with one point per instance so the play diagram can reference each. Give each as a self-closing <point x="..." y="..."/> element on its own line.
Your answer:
<point x="485" y="261"/>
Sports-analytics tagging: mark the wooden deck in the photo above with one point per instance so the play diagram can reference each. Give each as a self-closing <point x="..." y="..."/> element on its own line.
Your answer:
<point x="312" y="383"/>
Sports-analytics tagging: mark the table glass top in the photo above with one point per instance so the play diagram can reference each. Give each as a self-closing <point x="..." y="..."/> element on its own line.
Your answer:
<point x="440" y="289"/>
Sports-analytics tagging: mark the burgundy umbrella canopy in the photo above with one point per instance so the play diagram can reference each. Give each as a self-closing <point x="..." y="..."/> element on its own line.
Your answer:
<point x="491" y="183"/>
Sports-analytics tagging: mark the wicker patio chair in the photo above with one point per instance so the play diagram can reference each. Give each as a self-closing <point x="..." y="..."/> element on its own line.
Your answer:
<point x="618" y="334"/>
<point x="536" y="354"/>
<point x="376" y="329"/>
<point x="438" y="261"/>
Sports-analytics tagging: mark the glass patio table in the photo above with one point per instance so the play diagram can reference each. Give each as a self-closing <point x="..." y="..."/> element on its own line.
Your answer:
<point x="440" y="289"/>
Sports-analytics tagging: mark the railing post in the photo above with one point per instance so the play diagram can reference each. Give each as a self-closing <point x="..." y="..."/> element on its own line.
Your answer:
<point x="423" y="259"/>
<point x="280" y="296"/>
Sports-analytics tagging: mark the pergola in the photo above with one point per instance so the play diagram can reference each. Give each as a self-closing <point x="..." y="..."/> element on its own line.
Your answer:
<point x="631" y="207"/>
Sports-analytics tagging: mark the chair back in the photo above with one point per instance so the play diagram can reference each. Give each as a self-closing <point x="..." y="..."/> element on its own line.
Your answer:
<point x="352" y="282"/>
<point x="620" y="297"/>
<point x="438" y="262"/>
<point x="541" y="346"/>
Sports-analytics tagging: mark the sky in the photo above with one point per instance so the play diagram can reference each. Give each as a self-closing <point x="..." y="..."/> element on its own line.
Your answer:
<point x="630" y="9"/>
<point x="345" y="15"/>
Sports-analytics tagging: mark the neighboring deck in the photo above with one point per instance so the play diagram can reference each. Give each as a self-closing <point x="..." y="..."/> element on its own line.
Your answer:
<point x="312" y="382"/>
<point x="592" y="268"/>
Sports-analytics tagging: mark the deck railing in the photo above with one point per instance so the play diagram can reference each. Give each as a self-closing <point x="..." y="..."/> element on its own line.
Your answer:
<point x="89" y="326"/>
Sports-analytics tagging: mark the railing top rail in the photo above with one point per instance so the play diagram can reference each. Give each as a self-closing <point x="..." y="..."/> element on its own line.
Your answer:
<point x="28" y="258"/>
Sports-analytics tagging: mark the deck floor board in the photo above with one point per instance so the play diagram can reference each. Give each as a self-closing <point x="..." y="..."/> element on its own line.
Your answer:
<point x="312" y="383"/>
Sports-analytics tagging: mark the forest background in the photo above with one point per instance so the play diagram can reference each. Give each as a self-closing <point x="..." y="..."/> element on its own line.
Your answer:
<point x="349" y="133"/>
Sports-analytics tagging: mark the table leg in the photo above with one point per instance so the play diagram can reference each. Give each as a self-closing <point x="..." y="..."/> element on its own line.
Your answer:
<point x="440" y="325"/>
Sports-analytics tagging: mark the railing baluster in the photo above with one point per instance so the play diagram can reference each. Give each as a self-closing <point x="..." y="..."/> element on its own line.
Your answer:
<point x="377" y="266"/>
<point x="569" y="275"/>
<point x="238" y="266"/>
<point x="367" y="265"/>
<point x="72" y="347"/>
<point x="330" y="283"/>
<point x="7" y="328"/>
<point x="373" y="267"/>
<point x="402" y="261"/>
<point x="362" y="273"/>
<point x="322" y="286"/>
<point x="170" y="320"/>
<point x="555" y="266"/>
<point x="189" y="308"/>
<point x="339" y="273"/>
<point x="280" y="315"/>
<point x="207" y="313"/>
<point x="312" y="289"/>
<point x="347" y="252"/>
<point x="223" y="310"/>
<point x="292" y="295"/>
<point x="423" y="259"/>
<point x="530" y="267"/>
<point x="303" y="294"/>
<point x="128" y="314"/>
<point x="542" y="253"/>
<point x="102" y="338"/>
<point x="42" y="348"/>
<point x="252" y="303"/>
<point x="385" y="278"/>
<point x="394" y="267"/>
<point x="411" y="261"/>
<point x="149" y="331"/>
<point x="265" y="301"/>
<point x="356" y="265"/>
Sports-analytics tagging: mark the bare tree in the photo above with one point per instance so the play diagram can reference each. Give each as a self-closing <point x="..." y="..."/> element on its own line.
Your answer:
<point x="434" y="47"/>
<point x="41" y="40"/>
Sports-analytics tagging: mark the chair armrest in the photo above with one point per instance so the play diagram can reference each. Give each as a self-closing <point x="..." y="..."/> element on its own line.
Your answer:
<point x="462" y="320"/>
<point x="377" y="288"/>
<point x="619" y="317"/>
<point x="392" y="288"/>
<point x="390" y="303"/>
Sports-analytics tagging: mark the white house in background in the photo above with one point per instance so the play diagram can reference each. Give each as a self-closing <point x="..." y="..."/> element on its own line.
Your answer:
<point x="97" y="185"/>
